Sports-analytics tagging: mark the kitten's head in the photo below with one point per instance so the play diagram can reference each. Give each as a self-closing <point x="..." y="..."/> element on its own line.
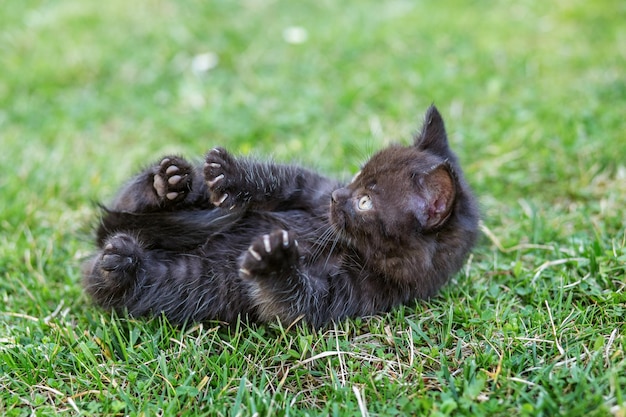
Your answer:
<point x="403" y="193"/>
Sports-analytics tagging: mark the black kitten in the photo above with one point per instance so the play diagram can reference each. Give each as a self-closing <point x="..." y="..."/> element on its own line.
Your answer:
<point x="278" y="241"/>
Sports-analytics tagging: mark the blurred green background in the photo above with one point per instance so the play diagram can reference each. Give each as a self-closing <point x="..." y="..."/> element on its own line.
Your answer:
<point x="534" y="97"/>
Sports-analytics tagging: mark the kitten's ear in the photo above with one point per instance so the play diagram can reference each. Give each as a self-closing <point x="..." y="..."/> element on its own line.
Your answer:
<point x="435" y="196"/>
<point x="433" y="135"/>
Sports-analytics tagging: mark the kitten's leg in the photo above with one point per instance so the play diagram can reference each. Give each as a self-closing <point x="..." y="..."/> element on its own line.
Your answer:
<point x="235" y="182"/>
<point x="162" y="186"/>
<point x="111" y="274"/>
<point x="184" y="286"/>
<point x="278" y="287"/>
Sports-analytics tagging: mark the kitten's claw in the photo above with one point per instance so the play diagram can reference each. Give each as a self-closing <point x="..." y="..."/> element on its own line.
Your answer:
<point x="254" y="253"/>
<point x="172" y="180"/>
<point x="286" y="238"/>
<point x="221" y="200"/>
<point x="211" y="183"/>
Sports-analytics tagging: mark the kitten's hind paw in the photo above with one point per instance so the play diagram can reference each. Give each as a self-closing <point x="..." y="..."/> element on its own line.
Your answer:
<point x="119" y="260"/>
<point x="172" y="182"/>
<point x="224" y="179"/>
<point x="270" y="255"/>
<point x="110" y="275"/>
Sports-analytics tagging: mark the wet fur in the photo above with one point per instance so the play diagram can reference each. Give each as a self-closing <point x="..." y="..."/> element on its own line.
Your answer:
<point x="242" y="237"/>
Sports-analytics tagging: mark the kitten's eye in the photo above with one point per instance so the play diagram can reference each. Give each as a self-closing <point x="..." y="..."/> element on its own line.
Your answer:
<point x="365" y="203"/>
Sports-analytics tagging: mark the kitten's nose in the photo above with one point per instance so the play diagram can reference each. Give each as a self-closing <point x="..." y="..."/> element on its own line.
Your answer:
<point x="340" y="194"/>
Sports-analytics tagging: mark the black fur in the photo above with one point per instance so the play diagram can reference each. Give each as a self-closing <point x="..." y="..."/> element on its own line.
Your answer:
<point x="241" y="237"/>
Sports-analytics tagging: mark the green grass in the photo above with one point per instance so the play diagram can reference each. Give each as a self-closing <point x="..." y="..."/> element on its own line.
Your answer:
<point x="534" y="96"/>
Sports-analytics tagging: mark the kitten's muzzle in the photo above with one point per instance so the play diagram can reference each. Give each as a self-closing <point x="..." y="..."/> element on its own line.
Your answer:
<point x="341" y="208"/>
<point x="340" y="195"/>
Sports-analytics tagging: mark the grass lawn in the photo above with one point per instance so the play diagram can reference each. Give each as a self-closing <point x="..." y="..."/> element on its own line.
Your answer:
<point x="534" y="96"/>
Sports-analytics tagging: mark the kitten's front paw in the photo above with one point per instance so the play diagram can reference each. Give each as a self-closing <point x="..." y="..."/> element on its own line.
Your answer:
<point x="270" y="255"/>
<point x="224" y="178"/>
<point x="172" y="181"/>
